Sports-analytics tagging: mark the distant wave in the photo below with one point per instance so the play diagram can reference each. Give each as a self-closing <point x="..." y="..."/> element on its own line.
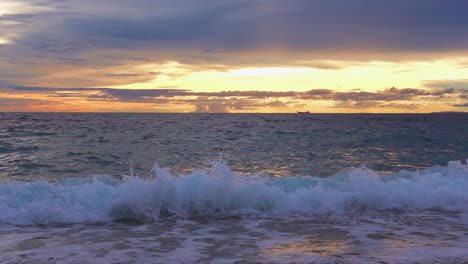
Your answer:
<point x="221" y="192"/>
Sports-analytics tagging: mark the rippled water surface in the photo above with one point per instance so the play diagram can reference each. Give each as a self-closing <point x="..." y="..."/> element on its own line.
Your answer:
<point x="233" y="188"/>
<point x="49" y="146"/>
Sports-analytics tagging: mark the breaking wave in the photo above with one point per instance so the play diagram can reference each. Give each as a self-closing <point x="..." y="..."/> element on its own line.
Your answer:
<point x="221" y="192"/>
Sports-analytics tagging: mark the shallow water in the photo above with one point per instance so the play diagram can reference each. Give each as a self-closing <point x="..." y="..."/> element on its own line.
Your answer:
<point x="287" y="189"/>
<point x="387" y="236"/>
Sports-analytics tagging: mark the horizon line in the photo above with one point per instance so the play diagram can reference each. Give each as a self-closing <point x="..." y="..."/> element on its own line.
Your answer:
<point x="235" y="113"/>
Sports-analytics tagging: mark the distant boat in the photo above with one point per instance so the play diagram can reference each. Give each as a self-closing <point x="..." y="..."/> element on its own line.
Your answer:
<point x="306" y="112"/>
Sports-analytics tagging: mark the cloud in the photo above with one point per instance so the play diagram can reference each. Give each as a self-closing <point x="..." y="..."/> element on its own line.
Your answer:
<point x="390" y="94"/>
<point x="23" y="104"/>
<point x="460" y="85"/>
<point x="90" y="34"/>
<point x="461" y="105"/>
<point x="312" y="25"/>
<point x="224" y="105"/>
<point x="226" y="101"/>
<point x="405" y="106"/>
<point x="127" y="75"/>
<point x="4" y="84"/>
<point x="87" y="43"/>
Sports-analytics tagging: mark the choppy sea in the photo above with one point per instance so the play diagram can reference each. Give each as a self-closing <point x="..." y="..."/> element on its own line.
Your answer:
<point x="233" y="188"/>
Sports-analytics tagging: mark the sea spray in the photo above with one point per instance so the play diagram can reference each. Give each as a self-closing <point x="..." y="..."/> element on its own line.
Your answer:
<point x="221" y="192"/>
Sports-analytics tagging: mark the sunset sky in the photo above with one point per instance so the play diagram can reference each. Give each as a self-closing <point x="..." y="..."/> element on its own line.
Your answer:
<point x="234" y="55"/>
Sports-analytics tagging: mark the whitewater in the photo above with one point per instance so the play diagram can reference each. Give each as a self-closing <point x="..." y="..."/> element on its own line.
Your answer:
<point x="356" y="188"/>
<point x="353" y="217"/>
<point x="222" y="193"/>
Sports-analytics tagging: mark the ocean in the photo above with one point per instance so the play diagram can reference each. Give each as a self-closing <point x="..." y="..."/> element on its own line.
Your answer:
<point x="233" y="188"/>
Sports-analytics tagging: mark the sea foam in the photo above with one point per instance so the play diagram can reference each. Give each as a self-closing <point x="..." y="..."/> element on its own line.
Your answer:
<point x="221" y="192"/>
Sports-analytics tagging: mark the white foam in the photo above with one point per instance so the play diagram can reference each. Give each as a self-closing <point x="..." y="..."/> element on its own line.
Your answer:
<point x="222" y="192"/>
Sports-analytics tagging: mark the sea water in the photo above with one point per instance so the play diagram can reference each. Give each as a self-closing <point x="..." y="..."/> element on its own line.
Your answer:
<point x="218" y="188"/>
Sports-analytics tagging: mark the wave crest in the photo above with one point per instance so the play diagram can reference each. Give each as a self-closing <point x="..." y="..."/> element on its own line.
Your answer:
<point x="221" y="192"/>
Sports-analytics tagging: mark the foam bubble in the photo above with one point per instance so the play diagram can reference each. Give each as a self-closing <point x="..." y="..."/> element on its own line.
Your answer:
<point x="221" y="192"/>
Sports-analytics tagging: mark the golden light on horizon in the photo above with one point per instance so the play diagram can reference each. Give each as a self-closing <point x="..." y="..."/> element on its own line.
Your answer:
<point x="267" y="71"/>
<point x="373" y="76"/>
<point x="7" y="7"/>
<point x="370" y="76"/>
<point x="17" y="7"/>
<point x="266" y="67"/>
<point x="4" y="41"/>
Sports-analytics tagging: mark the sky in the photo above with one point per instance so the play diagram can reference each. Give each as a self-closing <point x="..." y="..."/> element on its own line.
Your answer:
<point x="236" y="56"/>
